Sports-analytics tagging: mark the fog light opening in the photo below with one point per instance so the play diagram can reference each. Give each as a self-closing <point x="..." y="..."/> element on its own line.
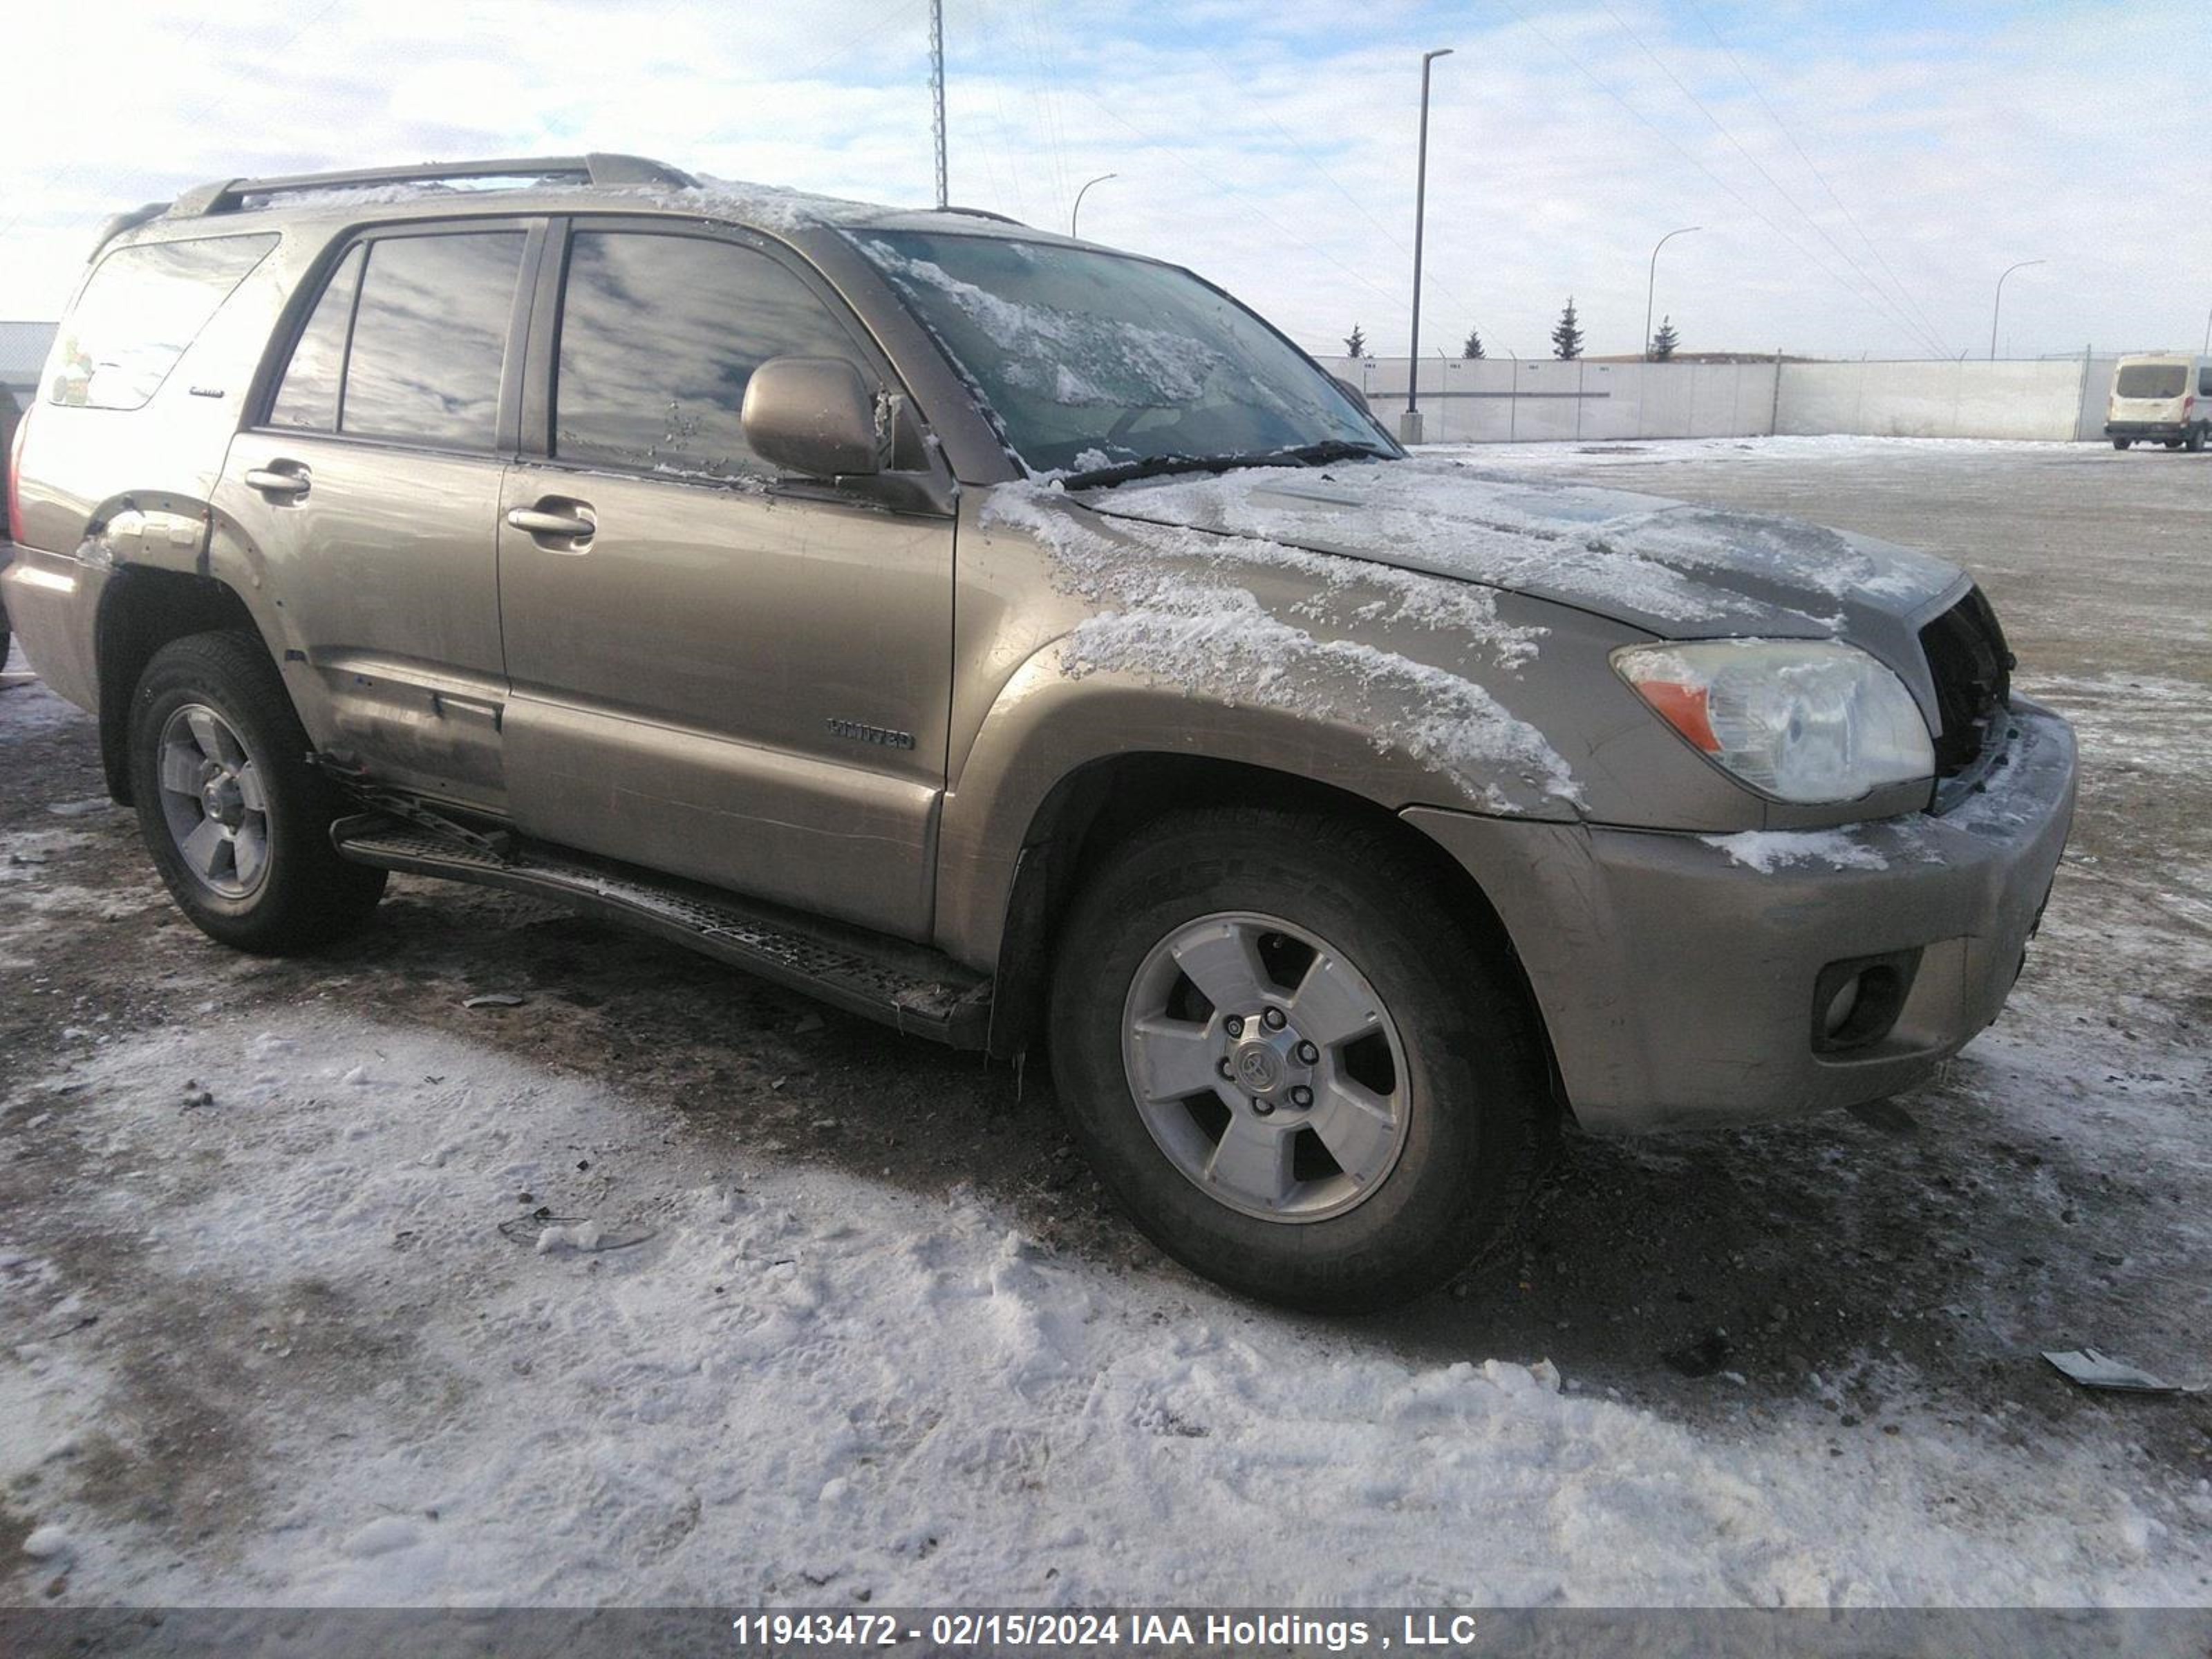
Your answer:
<point x="1855" y="1003"/>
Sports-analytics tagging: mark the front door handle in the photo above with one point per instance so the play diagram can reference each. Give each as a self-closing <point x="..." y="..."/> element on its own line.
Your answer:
<point x="287" y="481"/>
<point x="556" y="521"/>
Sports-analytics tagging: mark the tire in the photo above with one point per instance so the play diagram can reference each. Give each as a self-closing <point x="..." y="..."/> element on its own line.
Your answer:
<point x="211" y="711"/>
<point x="2171" y="443"/>
<point x="2122" y="443"/>
<point x="1446" y="1041"/>
<point x="2195" y="443"/>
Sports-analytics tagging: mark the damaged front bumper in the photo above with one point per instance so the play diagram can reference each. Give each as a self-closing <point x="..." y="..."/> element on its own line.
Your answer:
<point x="1690" y="979"/>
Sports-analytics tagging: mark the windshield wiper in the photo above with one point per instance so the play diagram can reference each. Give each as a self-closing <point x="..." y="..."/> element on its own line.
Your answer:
<point x="1162" y="466"/>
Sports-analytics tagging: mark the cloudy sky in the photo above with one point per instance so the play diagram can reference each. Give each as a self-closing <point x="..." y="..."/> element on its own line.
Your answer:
<point x="1862" y="173"/>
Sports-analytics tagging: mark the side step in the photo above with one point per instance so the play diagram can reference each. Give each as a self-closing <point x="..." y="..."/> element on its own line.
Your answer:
<point x="907" y="986"/>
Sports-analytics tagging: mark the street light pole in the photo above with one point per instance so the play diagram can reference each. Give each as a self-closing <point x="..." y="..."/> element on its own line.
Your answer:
<point x="1997" y="305"/>
<point x="1078" y="207"/>
<point x="937" y="92"/>
<point x="1652" y="282"/>
<point x="1409" y="429"/>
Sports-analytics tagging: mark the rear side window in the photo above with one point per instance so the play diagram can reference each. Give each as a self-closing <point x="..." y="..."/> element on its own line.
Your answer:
<point x="430" y="339"/>
<point x="659" y="336"/>
<point x="309" y="396"/>
<point x="2153" y="380"/>
<point x="140" y="312"/>
<point x="2204" y="381"/>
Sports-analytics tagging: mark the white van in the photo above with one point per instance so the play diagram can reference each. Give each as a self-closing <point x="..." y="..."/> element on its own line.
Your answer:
<point x="2162" y="395"/>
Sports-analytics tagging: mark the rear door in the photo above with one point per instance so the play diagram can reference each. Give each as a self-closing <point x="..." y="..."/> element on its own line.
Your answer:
<point x="718" y="672"/>
<point x="2150" y="392"/>
<point x="369" y="490"/>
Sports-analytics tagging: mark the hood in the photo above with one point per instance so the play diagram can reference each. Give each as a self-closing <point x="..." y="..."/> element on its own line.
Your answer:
<point x="1674" y="570"/>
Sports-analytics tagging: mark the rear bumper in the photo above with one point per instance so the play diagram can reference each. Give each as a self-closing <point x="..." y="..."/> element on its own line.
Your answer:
<point x="52" y="601"/>
<point x="2149" y="428"/>
<point x="1677" y="974"/>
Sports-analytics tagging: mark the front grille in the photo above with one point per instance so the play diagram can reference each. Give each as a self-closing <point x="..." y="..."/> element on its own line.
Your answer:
<point x="1972" y="671"/>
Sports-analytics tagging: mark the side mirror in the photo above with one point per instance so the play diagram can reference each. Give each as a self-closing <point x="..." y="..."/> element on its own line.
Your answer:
<point x="1350" y="392"/>
<point x="816" y="416"/>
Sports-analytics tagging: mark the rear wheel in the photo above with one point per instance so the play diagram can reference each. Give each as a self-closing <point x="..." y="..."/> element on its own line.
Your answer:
<point x="234" y="811"/>
<point x="1297" y="1074"/>
<point x="2195" y="439"/>
<point x="2171" y="443"/>
<point x="2122" y="443"/>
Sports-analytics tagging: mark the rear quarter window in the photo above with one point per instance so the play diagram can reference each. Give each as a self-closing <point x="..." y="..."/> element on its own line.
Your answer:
<point x="140" y="312"/>
<point x="2152" y="380"/>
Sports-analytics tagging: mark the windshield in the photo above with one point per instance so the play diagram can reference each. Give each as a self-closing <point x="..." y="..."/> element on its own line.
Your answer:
<point x="1093" y="360"/>
<point x="2152" y="379"/>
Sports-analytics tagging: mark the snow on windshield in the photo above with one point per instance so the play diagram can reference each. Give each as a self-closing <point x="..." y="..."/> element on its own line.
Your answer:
<point x="1173" y="608"/>
<point x="1072" y="357"/>
<point x="1088" y="360"/>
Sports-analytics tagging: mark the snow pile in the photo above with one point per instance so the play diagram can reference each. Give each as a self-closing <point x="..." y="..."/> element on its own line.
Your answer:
<point x="1172" y="610"/>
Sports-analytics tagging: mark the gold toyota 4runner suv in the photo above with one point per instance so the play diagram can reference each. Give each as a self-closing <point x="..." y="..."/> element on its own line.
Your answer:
<point x="1024" y="644"/>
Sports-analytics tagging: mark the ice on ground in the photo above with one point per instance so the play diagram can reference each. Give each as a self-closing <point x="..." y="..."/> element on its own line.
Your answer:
<point x="806" y="1388"/>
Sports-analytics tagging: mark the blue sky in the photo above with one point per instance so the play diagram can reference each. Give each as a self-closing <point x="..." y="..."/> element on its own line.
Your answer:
<point x="1862" y="173"/>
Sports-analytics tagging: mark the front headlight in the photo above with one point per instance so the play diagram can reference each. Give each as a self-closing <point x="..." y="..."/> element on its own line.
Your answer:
<point x="1800" y="720"/>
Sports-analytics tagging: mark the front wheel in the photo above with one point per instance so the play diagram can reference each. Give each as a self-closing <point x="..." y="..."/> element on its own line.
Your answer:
<point x="235" y="814"/>
<point x="2122" y="443"/>
<point x="1298" y="1074"/>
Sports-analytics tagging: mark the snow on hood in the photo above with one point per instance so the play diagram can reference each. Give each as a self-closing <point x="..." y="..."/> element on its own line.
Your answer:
<point x="1677" y="570"/>
<point x="1172" y="607"/>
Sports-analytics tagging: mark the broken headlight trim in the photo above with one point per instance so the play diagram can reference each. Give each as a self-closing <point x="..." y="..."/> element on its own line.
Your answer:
<point x="1811" y="721"/>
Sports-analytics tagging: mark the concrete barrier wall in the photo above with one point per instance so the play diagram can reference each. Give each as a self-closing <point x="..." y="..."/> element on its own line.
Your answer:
<point x="1933" y="400"/>
<point x="1537" y="399"/>
<point x="1533" y="399"/>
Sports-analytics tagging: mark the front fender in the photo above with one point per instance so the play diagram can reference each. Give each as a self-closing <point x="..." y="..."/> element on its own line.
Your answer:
<point x="1054" y="715"/>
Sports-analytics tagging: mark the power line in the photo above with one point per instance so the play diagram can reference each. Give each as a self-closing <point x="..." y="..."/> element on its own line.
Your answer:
<point x="1897" y="311"/>
<point x="68" y="170"/>
<point x="1849" y="218"/>
<point x="1314" y="162"/>
<point x="1257" y="212"/>
<point x="1668" y="138"/>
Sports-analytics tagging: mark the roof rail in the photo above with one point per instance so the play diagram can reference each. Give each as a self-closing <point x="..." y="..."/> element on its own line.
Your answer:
<point x="599" y="167"/>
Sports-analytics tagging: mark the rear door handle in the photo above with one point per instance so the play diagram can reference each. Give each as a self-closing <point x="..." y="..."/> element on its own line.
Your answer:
<point x="286" y="481"/>
<point x="571" y="522"/>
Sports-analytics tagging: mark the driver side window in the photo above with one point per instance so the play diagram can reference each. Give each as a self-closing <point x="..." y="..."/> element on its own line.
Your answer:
<point x="660" y="334"/>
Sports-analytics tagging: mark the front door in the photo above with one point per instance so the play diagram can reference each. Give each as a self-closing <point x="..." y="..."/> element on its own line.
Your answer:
<point x="717" y="671"/>
<point x="370" y="491"/>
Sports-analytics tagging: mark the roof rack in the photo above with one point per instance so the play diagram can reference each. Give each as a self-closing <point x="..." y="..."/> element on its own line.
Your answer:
<point x="980" y="213"/>
<point x="599" y="167"/>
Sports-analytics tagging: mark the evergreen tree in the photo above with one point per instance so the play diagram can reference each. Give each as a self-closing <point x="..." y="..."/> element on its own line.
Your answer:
<point x="1567" y="336"/>
<point x="1664" y="342"/>
<point x="1473" y="346"/>
<point x="1355" y="343"/>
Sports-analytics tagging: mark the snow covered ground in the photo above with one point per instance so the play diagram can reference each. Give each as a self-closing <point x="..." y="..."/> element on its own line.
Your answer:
<point x="294" y="1307"/>
<point x="829" y="1387"/>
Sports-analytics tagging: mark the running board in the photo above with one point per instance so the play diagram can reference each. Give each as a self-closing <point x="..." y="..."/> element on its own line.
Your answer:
<point x="907" y="986"/>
